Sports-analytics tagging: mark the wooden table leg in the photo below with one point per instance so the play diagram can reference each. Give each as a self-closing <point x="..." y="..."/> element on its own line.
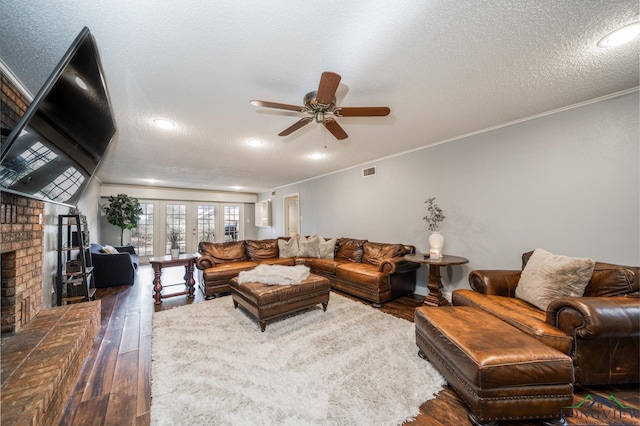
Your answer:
<point x="157" y="284"/>
<point x="190" y="282"/>
<point x="435" y="297"/>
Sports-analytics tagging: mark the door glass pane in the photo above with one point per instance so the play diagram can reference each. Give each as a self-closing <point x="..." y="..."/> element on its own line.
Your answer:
<point x="206" y="225"/>
<point x="176" y="220"/>
<point x="142" y="236"/>
<point x="231" y="222"/>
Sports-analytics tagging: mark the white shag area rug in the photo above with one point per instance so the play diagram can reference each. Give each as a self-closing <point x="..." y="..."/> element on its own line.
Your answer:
<point x="351" y="365"/>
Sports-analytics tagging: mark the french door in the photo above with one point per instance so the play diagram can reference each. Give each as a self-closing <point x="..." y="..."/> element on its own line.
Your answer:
<point x="193" y="221"/>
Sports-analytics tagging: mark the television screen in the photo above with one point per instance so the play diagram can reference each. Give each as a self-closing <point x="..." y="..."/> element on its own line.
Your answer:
<point x="55" y="148"/>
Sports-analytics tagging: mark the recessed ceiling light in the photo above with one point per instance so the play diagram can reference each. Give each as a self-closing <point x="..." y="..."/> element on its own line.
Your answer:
<point x="316" y="156"/>
<point x="621" y="36"/>
<point x="255" y="142"/>
<point x="163" y="124"/>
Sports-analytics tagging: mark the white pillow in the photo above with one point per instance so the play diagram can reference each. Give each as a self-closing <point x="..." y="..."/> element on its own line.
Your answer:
<point x="327" y="248"/>
<point x="109" y="250"/>
<point x="547" y="277"/>
<point x="288" y="248"/>
<point x="309" y="247"/>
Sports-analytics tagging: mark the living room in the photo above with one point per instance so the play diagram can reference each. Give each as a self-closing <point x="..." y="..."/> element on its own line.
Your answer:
<point x="565" y="178"/>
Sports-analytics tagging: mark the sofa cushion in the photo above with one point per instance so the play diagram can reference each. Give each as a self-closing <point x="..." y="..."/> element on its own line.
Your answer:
<point x="288" y="248"/>
<point x="261" y="249"/>
<point x="223" y="252"/>
<point x="288" y="261"/>
<point x="375" y="253"/>
<point x="519" y="314"/>
<point x="611" y="280"/>
<point x="547" y="277"/>
<point x="327" y="247"/>
<point x="227" y="270"/>
<point x="350" y="249"/>
<point x="363" y="274"/>
<point x="109" y="250"/>
<point x="327" y="266"/>
<point x="607" y="279"/>
<point x="309" y="247"/>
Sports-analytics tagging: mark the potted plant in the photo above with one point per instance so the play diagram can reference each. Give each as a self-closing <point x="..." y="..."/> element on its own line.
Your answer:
<point x="124" y="212"/>
<point x="433" y="218"/>
<point x="174" y="239"/>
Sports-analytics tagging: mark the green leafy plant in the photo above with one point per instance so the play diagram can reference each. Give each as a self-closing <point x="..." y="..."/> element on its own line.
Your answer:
<point x="434" y="214"/>
<point x="124" y="212"/>
<point x="174" y="239"/>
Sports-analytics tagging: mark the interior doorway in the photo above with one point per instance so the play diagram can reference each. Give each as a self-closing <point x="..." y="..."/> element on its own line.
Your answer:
<point x="291" y="215"/>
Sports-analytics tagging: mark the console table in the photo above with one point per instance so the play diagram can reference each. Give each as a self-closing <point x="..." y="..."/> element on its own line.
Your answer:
<point x="186" y="260"/>
<point x="435" y="297"/>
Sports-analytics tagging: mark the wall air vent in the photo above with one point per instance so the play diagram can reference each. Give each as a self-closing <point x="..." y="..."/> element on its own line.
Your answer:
<point x="369" y="171"/>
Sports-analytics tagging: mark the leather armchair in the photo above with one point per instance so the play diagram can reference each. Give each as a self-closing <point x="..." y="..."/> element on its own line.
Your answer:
<point x="603" y="326"/>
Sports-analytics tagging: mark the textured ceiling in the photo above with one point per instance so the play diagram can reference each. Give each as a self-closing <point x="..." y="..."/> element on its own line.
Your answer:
<point x="445" y="69"/>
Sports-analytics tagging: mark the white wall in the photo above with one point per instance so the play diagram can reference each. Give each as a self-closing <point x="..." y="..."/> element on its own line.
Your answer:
<point x="88" y="206"/>
<point x="566" y="182"/>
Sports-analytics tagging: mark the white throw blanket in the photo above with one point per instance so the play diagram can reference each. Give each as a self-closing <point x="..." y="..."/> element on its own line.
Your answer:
<point x="275" y="274"/>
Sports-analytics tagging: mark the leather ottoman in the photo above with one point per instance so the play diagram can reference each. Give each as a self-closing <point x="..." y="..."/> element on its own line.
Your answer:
<point x="265" y="301"/>
<point x="498" y="371"/>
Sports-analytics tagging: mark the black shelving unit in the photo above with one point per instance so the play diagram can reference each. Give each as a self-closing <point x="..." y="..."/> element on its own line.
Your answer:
<point x="74" y="281"/>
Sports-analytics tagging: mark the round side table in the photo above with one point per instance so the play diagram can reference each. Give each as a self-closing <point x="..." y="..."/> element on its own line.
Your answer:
<point x="435" y="297"/>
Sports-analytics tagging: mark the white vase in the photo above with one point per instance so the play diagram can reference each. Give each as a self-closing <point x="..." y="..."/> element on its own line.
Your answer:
<point x="175" y="253"/>
<point x="436" y="242"/>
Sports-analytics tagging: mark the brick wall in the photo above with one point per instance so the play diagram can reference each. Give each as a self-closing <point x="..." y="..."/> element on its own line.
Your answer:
<point x="22" y="242"/>
<point x="21" y="249"/>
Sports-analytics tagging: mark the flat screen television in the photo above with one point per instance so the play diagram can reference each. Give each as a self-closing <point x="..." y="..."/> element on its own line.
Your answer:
<point x="56" y="146"/>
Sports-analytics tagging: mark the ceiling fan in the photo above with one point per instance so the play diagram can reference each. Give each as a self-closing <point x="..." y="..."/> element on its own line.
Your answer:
<point x="321" y="106"/>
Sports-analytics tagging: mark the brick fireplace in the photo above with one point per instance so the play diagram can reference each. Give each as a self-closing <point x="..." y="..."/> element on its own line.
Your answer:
<point x="21" y="251"/>
<point x="22" y="241"/>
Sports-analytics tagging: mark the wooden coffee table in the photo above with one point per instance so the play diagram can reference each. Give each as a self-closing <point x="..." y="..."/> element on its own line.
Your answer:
<point x="186" y="260"/>
<point x="435" y="297"/>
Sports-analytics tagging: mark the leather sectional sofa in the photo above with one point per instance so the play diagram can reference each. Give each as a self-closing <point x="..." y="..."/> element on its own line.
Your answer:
<point x="372" y="271"/>
<point x="599" y="331"/>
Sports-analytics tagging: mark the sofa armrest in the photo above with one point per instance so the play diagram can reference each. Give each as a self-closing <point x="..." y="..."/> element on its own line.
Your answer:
<point x="596" y="317"/>
<point x="396" y="265"/>
<point x="495" y="282"/>
<point x="204" y="262"/>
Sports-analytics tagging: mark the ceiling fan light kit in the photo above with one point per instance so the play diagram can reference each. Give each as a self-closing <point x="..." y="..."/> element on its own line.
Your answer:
<point x="321" y="107"/>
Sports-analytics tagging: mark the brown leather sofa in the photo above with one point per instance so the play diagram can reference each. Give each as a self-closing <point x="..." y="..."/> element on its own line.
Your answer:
<point x="372" y="271"/>
<point x="599" y="331"/>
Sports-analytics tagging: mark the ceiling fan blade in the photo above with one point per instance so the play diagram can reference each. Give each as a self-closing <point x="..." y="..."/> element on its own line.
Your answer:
<point x="329" y="82"/>
<point x="335" y="129"/>
<point x="267" y="104"/>
<point x="362" y="111"/>
<point x="298" y="124"/>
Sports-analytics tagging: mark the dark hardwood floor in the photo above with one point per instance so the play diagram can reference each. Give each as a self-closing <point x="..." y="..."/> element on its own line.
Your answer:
<point x="114" y="385"/>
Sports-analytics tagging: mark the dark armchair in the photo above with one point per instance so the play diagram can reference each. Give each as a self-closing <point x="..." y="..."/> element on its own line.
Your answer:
<point x="113" y="269"/>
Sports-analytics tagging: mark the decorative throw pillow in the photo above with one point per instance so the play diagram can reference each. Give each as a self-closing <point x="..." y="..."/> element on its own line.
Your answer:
<point x="547" y="277"/>
<point x="109" y="250"/>
<point x="289" y="248"/>
<point x="327" y="247"/>
<point x="309" y="247"/>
